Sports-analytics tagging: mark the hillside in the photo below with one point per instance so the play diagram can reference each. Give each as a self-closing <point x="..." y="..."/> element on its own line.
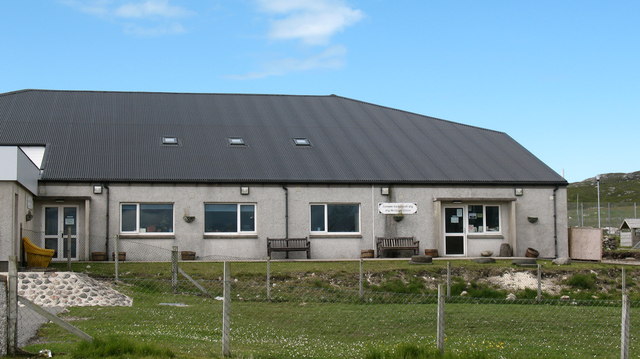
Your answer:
<point x="614" y="187"/>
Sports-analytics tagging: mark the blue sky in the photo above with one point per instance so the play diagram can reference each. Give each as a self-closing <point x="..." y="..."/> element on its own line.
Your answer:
<point x="560" y="77"/>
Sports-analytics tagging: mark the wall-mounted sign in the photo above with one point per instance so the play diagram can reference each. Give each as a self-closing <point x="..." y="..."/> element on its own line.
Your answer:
<point x="397" y="208"/>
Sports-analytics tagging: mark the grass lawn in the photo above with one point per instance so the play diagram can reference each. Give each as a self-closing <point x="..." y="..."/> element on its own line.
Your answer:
<point x="316" y="312"/>
<point x="316" y="329"/>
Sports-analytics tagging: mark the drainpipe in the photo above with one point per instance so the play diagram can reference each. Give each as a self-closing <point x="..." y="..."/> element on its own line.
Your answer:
<point x="555" y="221"/>
<point x="286" y="211"/>
<point x="106" y="242"/>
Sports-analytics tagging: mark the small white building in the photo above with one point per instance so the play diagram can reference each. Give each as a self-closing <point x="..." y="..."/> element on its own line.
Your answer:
<point x="630" y="232"/>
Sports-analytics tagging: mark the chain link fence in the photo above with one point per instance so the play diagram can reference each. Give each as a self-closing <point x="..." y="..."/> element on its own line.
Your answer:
<point x="290" y="309"/>
<point x="585" y="214"/>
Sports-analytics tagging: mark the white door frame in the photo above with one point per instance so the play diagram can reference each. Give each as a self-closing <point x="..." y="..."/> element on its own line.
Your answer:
<point x="463" y="234"/>
<point x="61" y="234"/>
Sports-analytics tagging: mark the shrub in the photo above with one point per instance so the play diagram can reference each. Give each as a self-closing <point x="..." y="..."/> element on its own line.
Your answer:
<point x="582" y="281"/>
<point x="114" y="347"/>
<point x="413" y="351"/>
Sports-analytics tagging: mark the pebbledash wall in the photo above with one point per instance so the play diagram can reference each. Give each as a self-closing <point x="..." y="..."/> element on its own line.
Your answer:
<point x="427" y="225"/>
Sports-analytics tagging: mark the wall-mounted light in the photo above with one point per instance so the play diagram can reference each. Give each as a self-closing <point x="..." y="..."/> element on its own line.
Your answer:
<point x="244" y="190"/>
<point x="97" y="189"/>
<point x="385" y="191"/>
<point x="519" y="191"/>
<point x="457" y="202"/>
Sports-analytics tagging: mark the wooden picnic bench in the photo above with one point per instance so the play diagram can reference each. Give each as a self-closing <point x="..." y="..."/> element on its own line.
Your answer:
<point x="408" y="243"/>
<point x="288" y="245"/>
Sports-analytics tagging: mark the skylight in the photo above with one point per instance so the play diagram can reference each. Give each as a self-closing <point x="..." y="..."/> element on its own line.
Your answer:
<point x="236" y="141"/>
<point x="302" y="141"/>
<point x="168" y="140"/>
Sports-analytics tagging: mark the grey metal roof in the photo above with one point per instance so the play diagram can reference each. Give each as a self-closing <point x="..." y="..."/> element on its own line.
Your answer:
<point x="630" y="223"/>
<point x="117" y="136"/>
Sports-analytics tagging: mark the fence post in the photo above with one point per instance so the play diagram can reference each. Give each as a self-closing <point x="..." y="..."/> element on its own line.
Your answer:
<point x="448" y="279"/>
<point x="624" y="281"/>
<point x="12" y="307"/>
<point x="624" y="335"/>
<point x="440" y="330"/>
<point x="268" y="278"/>
<point x="67" y="248"/>
<point x="116" y="258"/>
<point x="361" y="284"/>
<point x="174" y="268"/>
<point x="226" y="309"/>
<point x="539" y="296"/>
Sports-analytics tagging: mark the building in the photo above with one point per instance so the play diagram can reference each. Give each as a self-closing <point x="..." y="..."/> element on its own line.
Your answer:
<point x="219" y="173"/>
<point x="630" y="232"/>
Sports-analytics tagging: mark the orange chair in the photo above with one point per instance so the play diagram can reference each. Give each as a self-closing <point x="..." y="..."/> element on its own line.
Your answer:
<point x="36" y="256"/>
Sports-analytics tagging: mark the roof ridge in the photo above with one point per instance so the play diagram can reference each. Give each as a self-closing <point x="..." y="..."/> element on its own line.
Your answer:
<point x="420" y="115"/>
<point x="163" y="92"/>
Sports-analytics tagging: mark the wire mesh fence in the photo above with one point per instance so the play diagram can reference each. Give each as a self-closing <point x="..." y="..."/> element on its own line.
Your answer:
<point x="585" y="214"/>
<point x="276" y="311"/>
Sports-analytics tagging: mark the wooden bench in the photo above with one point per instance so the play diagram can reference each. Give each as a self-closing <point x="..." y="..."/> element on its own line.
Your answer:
<point x="288" y="245"/>
<point x="408" y="243"/>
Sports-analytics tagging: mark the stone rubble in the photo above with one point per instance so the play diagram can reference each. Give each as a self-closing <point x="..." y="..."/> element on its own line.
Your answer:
<point x="68" y="289"/>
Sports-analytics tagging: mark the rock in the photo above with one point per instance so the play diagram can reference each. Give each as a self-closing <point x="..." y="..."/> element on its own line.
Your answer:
<point x="565" y="297"/>
<point x="506" y="250"/>
<point x="562" y="261"/>
<point x="511" y="297"/>
<point x="524" y="261"/>
<point x="421" y="259"/>
<point x="486" y="253"/>
<point x="463" y="293"/>
<point x="484" y="260"/>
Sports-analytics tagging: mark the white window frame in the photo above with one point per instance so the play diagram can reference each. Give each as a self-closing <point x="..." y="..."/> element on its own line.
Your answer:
<point x="326" y="219"/>
<point x="484" y="219"/>
<point x="238" y="214"/>
<point x="137" y="231"/>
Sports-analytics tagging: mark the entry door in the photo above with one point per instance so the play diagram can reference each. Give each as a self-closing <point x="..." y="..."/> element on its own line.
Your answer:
<point x="58" y="222"/>
<point x="455" y="242"/>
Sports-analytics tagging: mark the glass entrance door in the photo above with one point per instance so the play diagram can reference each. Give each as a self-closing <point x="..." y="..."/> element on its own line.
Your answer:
<point x="60" y="223"/>
<point x="454" y="233"/>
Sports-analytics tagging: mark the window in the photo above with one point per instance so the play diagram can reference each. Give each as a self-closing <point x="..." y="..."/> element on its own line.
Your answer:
<point x="236" y="141"/>
<point x="234" y="218"/>
<point x="335" y="218"/>
<point x="167" y="140"/>
<point x="484" y="219"/>
<point x="146" y="218"/>
<point x="302" y="142"/>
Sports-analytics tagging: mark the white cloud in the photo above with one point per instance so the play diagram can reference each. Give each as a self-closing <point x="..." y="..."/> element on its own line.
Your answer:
<point x="313" y="22"/>
<point x="331" y="58"/>
<point x="149" y="31"/>
<point x="152" y="15"/>
<point x="151" y="8"/>
<point x="92" y="7"/>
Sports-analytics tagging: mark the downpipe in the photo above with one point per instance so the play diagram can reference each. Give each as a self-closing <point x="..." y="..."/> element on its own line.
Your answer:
<point x="106" y="242"/>
<point x="286" y="211"/>
<point x="555" y="221"/>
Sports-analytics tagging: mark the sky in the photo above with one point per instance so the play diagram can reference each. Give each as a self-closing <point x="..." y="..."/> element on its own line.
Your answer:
<point x="560" y="77"/>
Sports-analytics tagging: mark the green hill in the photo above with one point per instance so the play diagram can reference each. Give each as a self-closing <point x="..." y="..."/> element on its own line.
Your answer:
<point x="614" y="188"/>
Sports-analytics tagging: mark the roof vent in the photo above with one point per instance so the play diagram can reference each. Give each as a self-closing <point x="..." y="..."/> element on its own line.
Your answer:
<point x="236" y="141"/>
<point x="302" y="142"/>
<point x="168" y="140"/>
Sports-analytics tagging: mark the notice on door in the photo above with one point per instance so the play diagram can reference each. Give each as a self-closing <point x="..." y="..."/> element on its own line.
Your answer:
<point x="69" y="221"/>
<point x="397" y="208"/>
